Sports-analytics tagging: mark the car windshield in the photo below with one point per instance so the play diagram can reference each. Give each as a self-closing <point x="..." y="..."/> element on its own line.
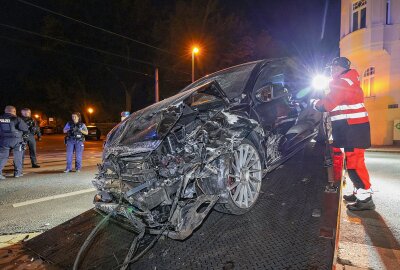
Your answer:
<point x="231" y="80"/>
<point x="150" y="123"/>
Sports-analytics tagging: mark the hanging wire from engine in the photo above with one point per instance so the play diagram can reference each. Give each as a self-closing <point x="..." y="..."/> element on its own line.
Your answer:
<point x="132" y="250"/>
<point x="135" y="242"/>
<point x="100" y="225"/>
<point x="90" y="238"/>
<point x="144" y="251"/>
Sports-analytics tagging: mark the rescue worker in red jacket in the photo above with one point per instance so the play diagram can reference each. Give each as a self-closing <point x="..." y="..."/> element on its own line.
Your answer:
<point x="350" y="129"/>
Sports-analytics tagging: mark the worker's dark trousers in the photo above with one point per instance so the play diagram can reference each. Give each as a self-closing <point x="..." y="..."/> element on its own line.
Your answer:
<point x="5" y="153"/>
<point x="31" y="142"/>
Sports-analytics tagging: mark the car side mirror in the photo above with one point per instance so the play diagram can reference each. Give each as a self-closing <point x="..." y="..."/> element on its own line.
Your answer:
<point x="270" y="92"/>
<point x="265" y="93"/>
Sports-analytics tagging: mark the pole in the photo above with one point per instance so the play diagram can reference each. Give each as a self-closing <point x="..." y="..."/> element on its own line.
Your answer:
<point x="192" y="65"/>
<point x="157" y="89"/>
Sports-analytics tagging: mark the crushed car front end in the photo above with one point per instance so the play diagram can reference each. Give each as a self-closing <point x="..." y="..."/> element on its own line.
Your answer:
<point x="163" y="167"/>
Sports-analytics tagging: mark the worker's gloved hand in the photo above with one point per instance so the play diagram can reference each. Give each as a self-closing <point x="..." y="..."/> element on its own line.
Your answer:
<point x="313" y="103"/>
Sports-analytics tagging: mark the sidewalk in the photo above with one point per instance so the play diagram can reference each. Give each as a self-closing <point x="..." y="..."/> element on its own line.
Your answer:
<point x="371" y="239"/>
<point x="366" y="242"/>
<point x="385" y="148"/>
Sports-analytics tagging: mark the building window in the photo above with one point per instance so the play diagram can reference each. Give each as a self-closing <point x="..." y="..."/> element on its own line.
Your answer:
<point x="388" y="19"/>
<point x="368" y="82"/>
<point x="359" y="18"/>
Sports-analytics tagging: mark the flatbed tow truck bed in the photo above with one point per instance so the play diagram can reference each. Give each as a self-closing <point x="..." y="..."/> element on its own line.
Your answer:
<point x="282" y="231"/>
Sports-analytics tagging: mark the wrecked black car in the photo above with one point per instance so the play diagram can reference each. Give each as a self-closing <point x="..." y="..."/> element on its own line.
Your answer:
<point x="166" y="166"/>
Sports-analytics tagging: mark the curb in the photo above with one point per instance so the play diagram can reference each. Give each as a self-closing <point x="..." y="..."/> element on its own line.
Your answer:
<point x="12" y="239"/>
<point x="384" y="150"/>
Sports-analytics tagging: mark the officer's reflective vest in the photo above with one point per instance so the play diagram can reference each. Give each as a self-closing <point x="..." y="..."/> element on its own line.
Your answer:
<point x="78" y="136"/>
<point x="31" y="124"/>
<point x="7" y="127"/>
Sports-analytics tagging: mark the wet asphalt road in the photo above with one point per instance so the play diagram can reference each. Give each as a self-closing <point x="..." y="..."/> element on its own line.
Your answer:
<point x="384" y="170"/>
<point x="371" y="239"/>
<point x="17" y="211"/>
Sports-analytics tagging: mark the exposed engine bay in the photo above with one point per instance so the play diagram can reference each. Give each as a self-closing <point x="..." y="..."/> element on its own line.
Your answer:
<point x="168" y="180"/>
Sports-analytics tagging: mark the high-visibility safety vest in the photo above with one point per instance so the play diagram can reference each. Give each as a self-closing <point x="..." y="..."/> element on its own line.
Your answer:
<point x="354" y="113"/>
<point x="349" y="117"/>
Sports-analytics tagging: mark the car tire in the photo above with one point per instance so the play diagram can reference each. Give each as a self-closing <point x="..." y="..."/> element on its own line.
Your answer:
<point x="244" y="179"/>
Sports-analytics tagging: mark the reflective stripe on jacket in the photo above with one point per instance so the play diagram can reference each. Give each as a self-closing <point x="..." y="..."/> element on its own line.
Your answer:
<point x="346" y="99"/>
<point x="345" y="104"/>
<point x="354" y="113"/>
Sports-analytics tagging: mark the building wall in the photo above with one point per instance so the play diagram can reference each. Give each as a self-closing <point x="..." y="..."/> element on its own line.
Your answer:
<point x="377" y="45"/>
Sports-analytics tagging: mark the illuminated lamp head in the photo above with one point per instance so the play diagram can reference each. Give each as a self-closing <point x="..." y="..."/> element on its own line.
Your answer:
<point x="320" y="82"/>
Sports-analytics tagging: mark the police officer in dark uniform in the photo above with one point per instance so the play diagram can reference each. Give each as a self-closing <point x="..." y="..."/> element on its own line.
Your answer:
<point x="12" y="129"/>
<point x="30" y="138"/>
<point x="74" y="140"/>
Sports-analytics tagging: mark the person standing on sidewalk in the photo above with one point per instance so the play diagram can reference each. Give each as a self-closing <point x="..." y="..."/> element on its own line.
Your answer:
<point x="350" y="130"/>
<point x="74" y="140"/>
<point x="12" y="129"/>
<point x="30" y="138"/>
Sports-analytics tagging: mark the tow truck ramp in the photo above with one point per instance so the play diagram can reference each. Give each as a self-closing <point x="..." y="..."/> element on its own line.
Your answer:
<point x="292" y="226"/>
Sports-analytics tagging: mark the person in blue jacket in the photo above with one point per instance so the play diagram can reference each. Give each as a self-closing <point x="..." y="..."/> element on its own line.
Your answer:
<point x="75" y="138"/>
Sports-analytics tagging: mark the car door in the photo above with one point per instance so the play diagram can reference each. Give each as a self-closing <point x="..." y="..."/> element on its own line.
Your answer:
<point x="275" y="110"/>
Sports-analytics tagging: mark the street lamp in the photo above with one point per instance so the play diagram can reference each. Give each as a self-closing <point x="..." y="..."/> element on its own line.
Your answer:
<point x="90" y="111"/>
<point x="37" y="116"/>
<point x="195" y="50"/>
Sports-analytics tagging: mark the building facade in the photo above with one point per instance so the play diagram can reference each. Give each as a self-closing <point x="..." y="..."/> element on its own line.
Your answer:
<point x="370" y="38"/>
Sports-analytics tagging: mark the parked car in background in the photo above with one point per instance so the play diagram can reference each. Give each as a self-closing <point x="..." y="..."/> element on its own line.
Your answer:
<point x="47" y="130"/>
<point x="93" y="133"/>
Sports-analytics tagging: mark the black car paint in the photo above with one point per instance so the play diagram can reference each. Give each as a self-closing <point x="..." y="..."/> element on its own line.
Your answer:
<point x="160" y="187"/>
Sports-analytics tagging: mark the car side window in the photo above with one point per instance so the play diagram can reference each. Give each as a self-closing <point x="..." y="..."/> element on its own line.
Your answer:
<point x="269" y="75"/>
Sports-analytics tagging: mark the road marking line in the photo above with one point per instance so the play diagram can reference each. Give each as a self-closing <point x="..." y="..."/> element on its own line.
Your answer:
<point x="54" y="197"/>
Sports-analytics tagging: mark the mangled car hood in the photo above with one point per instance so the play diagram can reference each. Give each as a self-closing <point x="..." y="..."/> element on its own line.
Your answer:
<point x="164" y="163"/>
<point x="144" y="130"/>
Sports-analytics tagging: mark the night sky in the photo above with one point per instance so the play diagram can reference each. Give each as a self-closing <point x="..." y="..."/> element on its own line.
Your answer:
<point x="297" y="25"/>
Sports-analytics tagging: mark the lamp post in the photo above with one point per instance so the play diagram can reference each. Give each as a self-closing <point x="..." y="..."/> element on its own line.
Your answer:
<point x="90" y="111"/>
<point x="195" y="50"/>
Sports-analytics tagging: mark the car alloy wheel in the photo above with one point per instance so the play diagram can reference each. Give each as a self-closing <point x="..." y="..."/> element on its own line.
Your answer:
<point x="245" y="178"/>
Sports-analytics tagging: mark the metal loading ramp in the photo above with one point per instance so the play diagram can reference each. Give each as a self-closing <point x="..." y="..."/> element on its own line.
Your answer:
<point x="280" y="232"/>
